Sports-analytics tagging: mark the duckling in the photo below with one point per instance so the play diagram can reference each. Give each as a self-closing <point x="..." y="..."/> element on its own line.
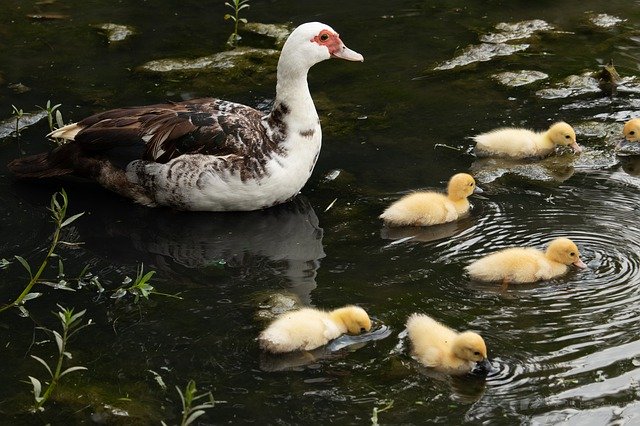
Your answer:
<point x="631" y="130"/>
<point x="526" y="265"/>
<point x="445" y="350"/>
<point x="629" y="146"/>
<point x="307" y="328"/>
<point x="431" y="208"/>
<point x="523" y="143"/>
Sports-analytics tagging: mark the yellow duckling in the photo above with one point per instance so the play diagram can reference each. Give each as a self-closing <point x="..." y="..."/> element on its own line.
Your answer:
<point x="631" y="130"/>
<point x="307" y="328"/>
<point x="527" y="265"/>
<point x="445" y="350"/>
<point x="431" y="208"/>
<point x="524" y="143"/>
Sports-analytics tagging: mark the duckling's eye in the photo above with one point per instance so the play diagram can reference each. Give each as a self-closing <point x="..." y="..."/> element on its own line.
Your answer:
<point x="324" y="37"/>
<point x="476" y="353"/>
<point x="567" y="137"/>
<point x="633" y="132"/>
<point x="362" y="330"/>
<point x="573" y="253"/>
<point x="471" y="184"/>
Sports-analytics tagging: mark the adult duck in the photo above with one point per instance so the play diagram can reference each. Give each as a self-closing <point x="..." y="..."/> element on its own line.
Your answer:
<point x="204" y="154"/>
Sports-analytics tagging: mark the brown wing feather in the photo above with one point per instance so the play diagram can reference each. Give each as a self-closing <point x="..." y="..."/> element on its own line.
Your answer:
<point x="166" y="131"/>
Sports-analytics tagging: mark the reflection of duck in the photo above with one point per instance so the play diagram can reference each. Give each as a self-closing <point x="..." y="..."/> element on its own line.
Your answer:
<point x="524" y="143"/>
<point x="285" y="240"/>
<point x="552" y="169"/>
<point x="426" y="208"/>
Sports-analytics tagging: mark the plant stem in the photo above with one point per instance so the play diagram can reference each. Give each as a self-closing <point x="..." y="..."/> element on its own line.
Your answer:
<point x="56" y="374"/>
<point x="36" y="277"/>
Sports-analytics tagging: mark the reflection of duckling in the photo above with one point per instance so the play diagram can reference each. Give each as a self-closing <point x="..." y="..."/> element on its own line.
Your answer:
<point x="431" y="208"/>
<point x="631" y="164"/>
<point x="526" y="265"/>
<point x="523" y="143"/>
<point x="444" y="349"/>
<point x="608" y="78"/>
<point x="308" y="328"/>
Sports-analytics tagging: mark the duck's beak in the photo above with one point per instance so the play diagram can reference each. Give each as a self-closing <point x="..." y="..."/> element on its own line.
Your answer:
<point x="345" y="53"/>
<point x="580" y="264"/>
<point x="576" y="148"/>
<point x="482" y="367"/>
<point x="478" y="190"/>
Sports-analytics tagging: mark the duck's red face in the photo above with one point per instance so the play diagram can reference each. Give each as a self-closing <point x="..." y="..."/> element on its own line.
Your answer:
<point x="336" y="47"/>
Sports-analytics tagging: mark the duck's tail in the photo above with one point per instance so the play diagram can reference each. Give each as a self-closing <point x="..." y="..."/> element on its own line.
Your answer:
<point x="38" y="166"/>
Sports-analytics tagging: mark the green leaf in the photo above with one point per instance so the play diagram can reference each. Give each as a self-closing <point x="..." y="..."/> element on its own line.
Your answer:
<point x="193" y="416"/>
<point x="243" y="20"/>
<point x="71" y="369"/>
<point x="37" y="388"/>
<point x="244" y="6"/>
<point x="59" y="341"/>
<point x="30" y="296"/>
<point x="25" y="264"/>
<point x="41" y="361"/>
<point x="59" y="120"/>
<point x="119" y="293"/>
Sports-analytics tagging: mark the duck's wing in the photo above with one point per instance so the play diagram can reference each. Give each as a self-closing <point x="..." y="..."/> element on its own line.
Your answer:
<point x="163" y="132"/>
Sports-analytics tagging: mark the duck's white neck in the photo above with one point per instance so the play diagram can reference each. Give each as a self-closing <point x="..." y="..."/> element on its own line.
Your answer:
<point x="292" y="90"/>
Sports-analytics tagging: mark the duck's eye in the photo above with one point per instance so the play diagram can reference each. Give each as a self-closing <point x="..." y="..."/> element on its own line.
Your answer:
<point x="362" y="330"/>
<point x="324" y="37"/>
<point x="567" y="137"/>
<point x="471" y="184"/>
<point x="476" y="353"/>
<point x="573" y="253"/>
<point x="633" y="132"/>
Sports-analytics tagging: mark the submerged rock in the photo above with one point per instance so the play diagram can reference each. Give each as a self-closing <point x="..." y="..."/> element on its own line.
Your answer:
<point x="8" y="126"/>
<point x="481" y="53"/>
<point x="495" y="44"/>
<point x="244" y="57"/>
<point x="279" y="32"/>
<point x="516" y="31"/>
<point x="519" y="78"/>
<point x="272" y="305"/>
<point x="115" y="32"/>
<point x="603" y="20"/>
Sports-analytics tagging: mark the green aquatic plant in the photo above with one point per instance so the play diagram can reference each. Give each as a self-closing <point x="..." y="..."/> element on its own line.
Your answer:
<point x="190" y="412"/>
<point x="58" y="209"/>
<point x="376" y="411"/>
<point x="18" y="113"/>
<point x="139" y="287"/>
<point x="71" y="324"/>
<point x="237" y="6"/>
<point x="51" y="111"/>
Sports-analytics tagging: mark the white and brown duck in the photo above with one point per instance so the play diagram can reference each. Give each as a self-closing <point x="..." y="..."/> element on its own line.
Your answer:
<point x="204" y="154"/>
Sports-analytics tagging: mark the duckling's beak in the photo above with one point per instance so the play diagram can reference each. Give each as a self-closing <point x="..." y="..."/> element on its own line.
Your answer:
<point x="478" y="190"/>
<point x="576" y="148"/>
<point x="580" y="264"/>
<point x="482" y="368"/>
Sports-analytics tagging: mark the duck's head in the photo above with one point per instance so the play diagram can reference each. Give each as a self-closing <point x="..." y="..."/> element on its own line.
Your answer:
<point x="354" y="319"/>
<point x="563" y="134"/>
<point x="631" y="130"/>
<point x="470" y="346"/>
<point x="563" y="250"/>
<point x="462" y="185"/>
<point x="314" y="42"/>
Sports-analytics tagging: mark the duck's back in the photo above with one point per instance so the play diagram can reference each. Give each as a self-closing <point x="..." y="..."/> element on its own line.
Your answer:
<point x="512" y="264"/>
<point x="508" y="142"/>
<point x="420" y="209"/>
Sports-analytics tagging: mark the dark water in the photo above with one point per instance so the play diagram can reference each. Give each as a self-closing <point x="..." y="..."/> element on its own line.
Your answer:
<point x="565" y="350"/>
